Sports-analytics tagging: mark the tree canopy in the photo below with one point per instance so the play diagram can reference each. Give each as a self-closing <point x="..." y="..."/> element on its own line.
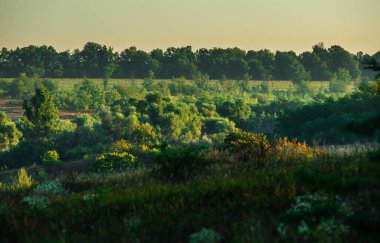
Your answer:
<point x="99" y="61"/>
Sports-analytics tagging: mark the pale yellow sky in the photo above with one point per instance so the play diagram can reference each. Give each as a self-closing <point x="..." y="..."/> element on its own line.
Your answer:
<point x="148" y="24"/>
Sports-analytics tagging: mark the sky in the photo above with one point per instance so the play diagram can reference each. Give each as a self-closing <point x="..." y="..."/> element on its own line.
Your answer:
<point x="148" y="24"/>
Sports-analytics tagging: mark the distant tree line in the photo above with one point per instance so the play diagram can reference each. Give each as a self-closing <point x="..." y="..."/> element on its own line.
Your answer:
<point x="100" y="61"/>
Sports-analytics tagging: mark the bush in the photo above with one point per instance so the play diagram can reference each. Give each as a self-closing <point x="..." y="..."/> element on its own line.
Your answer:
<point x="49" y="187"/>
<point x="246" y="145"/>
<point x="303" y="88"/>
<point x="181" y="163"/>
<point x="22" y="182"/>
<point x="121" y="145"/>
<point x="315" y="218"/>
<point x="115" y="162"/>
<point x="285" y="149"/>
<point x="205" y="236"/>
<point x="51" y="157"/>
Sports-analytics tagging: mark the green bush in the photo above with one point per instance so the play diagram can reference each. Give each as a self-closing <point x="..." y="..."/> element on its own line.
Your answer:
<point x="316" y="218"/>
<point x="246" y="145"/>
<point x="51" y="157"/>
<point x="115" y="162"/>
<point x="205" y="236"/>
<point x="181" y="163"/>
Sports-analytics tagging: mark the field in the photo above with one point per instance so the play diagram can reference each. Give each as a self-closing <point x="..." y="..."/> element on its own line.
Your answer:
<point x="275" y="85"/>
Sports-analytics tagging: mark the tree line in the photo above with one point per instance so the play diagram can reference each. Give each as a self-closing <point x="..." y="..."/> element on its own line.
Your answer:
<point x="99" y="61"/>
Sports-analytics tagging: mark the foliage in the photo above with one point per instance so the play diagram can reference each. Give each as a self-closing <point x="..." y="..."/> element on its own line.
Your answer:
<point x="121" y="146"/>
<point x="287" y="150"/>
<point x="205" y="236"/>
<point x="316" y="217"/>
<point x="327" y="122"/>
<point x="100" y="61"/>
<point x="37" y="202"/>
<point x="340" y="81"/>
<point x="236" y="111"/>
<point x="21" y="87"/>
<point x="9" y="134"/>
<point x="24" y="180"/>
<point x="334" y="197"/>
<point x="49" y="187"/>
<point x="51" y="157"/>
<point x="247" y="146"/>
<point x="113" y="162"/>
<point x="41" y="112"/>
<point x="87" y="95"/>
<point x="181" y="163"/>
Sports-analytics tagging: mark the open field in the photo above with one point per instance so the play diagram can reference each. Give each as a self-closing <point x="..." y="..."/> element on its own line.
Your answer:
<point x="68" y="83"/>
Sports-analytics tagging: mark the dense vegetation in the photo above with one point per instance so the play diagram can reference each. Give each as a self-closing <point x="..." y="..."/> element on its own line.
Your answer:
<point x="100" y="61"/>
<point x="191" y="160"/>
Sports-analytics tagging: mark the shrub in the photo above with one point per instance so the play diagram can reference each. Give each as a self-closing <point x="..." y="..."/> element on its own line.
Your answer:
<point x="181" y="163"/>
<point x="51" y="157"/>
<point x="24" y="180"/>
<point x="284" y="149"/>
<point x="115" y="162"/>
<point x="121" y="145"/>
<point x="303" y="88"/>
<point x="340" y="81"/>
<point x="338" y="86"/>
<point x="37" y="202"/>
<point x="205" y="236"/>
<point x="50" y="187"/>
<point x="315" y="218"/>
<point x="246" y="145"/>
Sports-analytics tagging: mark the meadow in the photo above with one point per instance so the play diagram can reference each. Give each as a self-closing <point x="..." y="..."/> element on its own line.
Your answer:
<point x="274" y="85"/>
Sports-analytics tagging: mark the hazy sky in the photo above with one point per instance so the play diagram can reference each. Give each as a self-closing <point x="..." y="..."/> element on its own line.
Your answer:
<point x="148" y="24"/>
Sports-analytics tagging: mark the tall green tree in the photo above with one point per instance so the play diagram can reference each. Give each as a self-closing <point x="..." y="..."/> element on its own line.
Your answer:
<point x="135" y="63"/>
<point x="288" y="67"/>
<point x="340" y="58"/>
<point x="317" y="67"/>
<point x="41" y="113"/>
<point x="95" y="58"/>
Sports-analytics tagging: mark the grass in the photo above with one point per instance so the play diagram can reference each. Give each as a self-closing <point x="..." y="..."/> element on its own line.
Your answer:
<point x="241" y="202"/>
<point x="68" y="83"/>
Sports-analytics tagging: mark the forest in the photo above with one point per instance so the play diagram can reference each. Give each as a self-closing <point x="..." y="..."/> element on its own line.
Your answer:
<point x="100" y="61"/>
<point x="219" y="145"/>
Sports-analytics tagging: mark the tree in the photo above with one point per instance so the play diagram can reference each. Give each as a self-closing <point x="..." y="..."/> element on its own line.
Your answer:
<point x="108" y="70"/>
<point x="236" y="111"/>
<point x="95" y="58"/>
<point x="374" y="64"/>
<point x="21" y="87"/>
<point x="41" y="112"/>
<point x="179" y="62"/>
<point x="340" y="81"/>
<point x="317" y="68"/>
<point x="135" y="63"/>
<point x="340" y="58"/>
<point x="288" y="67"/>
<point x="9" y="135"/>
<point x="87" y="95"/>
<point x="261" y="64"/>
